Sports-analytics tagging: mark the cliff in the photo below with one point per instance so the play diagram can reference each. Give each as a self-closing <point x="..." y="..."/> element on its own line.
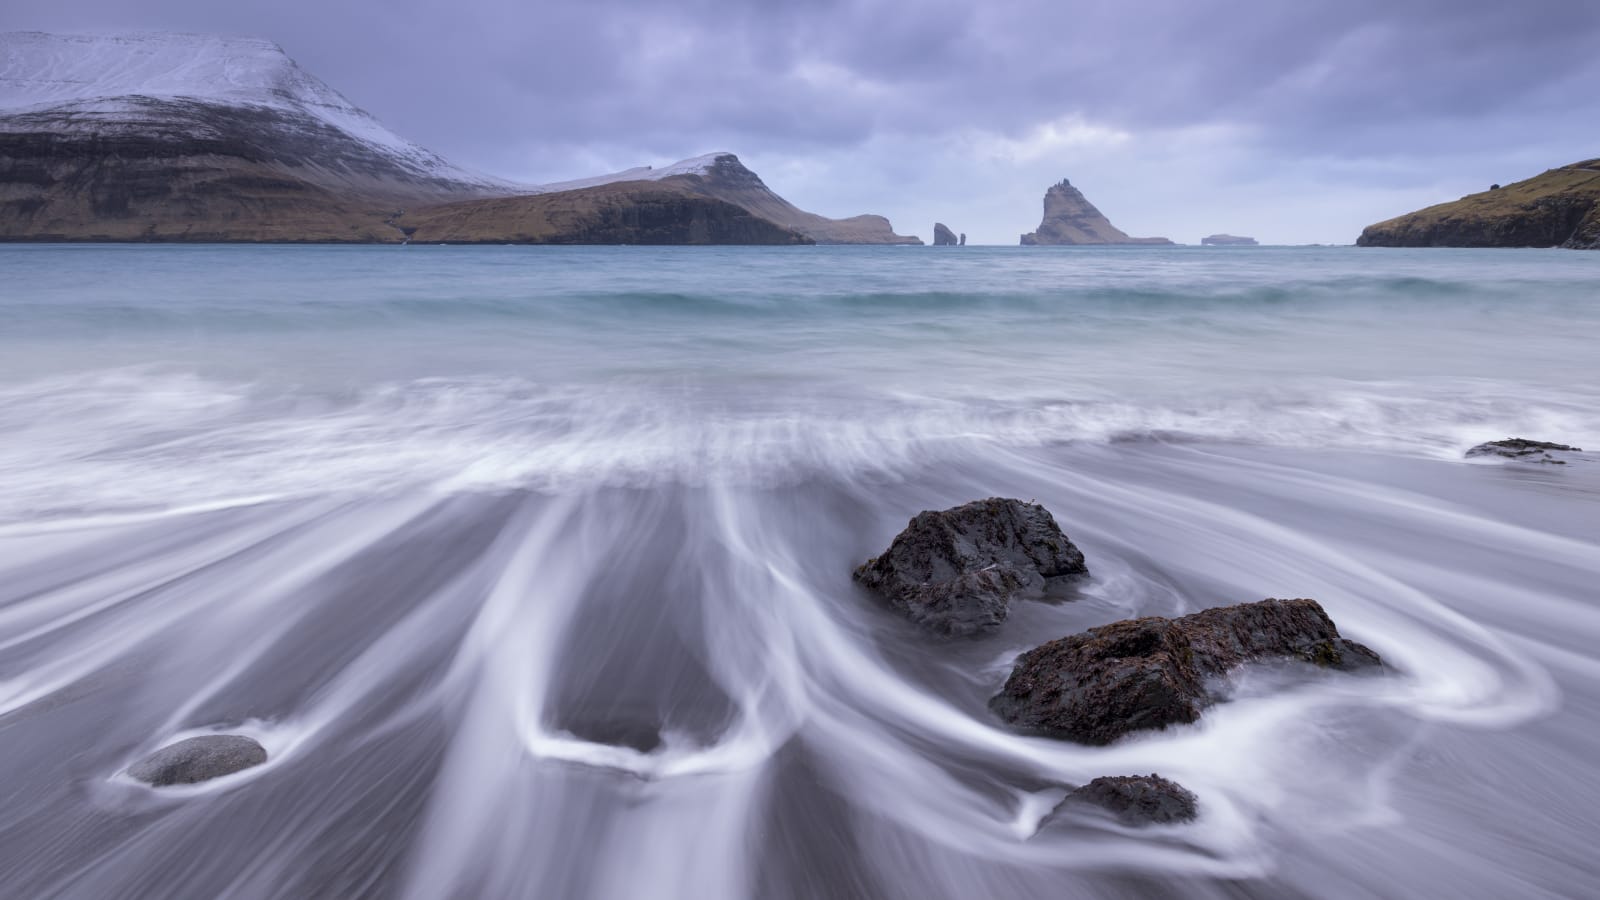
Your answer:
<point x="1069" y="218"/>
<point x="1559" y="208"/>
<point x="722" y="176"/>
<point x="628" y="212"/>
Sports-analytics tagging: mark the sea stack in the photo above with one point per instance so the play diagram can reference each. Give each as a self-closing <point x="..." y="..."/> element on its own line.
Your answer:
<point x="1069" y="218"/>
<point x="943" y="236"/>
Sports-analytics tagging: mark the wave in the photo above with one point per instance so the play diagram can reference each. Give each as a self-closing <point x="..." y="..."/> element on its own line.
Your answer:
<point x="151" y="438"/>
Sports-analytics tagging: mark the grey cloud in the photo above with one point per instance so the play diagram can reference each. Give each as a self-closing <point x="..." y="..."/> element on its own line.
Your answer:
<point x="467" y="78"/>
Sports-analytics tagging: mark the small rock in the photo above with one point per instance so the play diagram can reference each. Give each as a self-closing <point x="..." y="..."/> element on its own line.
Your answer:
<point x="1137" y="799"/>
<point x="957" y="571"/>
<point x="943" y="236"/>
<point x="1097" y="686"/>
<point x="963" y="239"/>
<point x="199" y="759"/>
<point x="1524" y="450"/>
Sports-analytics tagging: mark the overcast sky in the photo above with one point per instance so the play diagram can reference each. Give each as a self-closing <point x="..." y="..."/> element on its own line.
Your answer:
<point x="1290" y="120"/>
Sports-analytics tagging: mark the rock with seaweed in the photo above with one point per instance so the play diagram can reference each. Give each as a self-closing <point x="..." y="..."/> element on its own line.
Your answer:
<point x="1149" y="673"/>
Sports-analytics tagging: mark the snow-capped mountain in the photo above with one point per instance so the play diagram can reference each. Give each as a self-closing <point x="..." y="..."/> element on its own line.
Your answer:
<point x="213" y="88"/>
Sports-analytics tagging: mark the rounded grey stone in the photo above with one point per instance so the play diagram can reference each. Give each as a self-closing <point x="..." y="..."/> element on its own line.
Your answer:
<point x="199" y="759"/>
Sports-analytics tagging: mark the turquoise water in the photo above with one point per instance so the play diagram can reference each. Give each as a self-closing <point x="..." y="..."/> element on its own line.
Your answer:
<point x="530" y="567"/>
<point x="535" y="365"/>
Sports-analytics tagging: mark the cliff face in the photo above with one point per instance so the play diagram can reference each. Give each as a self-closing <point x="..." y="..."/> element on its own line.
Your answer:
<point x="198" y="138"/>
<point x="1069" y="218"/>
<point x="1560" y="208"/>
<point x="632" y="212"/>
<point x="173" y="169"/>
<point x="725" y="178"/>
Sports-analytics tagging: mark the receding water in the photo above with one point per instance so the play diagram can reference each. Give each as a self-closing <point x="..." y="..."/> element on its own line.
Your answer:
<point x="530" y="567"/>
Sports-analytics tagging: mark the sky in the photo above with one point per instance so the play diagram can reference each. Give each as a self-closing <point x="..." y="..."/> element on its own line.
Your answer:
<point x="1293" y="121"/>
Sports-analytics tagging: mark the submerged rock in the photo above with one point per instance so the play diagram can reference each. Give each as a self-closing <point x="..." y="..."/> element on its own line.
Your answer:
<point x="956" y="571"/>
<point x="1097" y="686"/>
<point x="943" y="236"/>
<point x="1136" y="799"/>
<point x="199" y="759"/>
<point x="1524" y="450"/>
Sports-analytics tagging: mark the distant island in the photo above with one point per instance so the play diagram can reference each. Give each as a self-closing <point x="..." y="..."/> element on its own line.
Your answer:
<point x="182" y="137"/>
<point x="1228" y="240"/>
<point x="1559" y="208"/>
<point x="1070" y="219"/>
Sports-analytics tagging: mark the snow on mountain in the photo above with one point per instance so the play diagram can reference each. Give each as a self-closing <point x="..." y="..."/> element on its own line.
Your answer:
<point x="102" y="81"/>
<point x="697" y="165"/>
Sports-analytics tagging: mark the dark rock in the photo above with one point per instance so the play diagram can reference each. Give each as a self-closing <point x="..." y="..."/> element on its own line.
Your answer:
<point x="963" y="239"/>
<point x="199" y="759"/>
<point x="957" y="571"/>
<point x="1136" y="799"/>
<point x="1524" y="450"/>
<point x="943" y="236"/>
<point x="1097" y="686"/>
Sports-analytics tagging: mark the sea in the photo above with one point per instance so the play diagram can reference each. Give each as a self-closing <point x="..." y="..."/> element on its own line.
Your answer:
<point x="530" y="567"/>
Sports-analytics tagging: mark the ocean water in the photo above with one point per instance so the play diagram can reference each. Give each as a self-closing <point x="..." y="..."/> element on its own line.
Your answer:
<point x="530" y="567"/>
